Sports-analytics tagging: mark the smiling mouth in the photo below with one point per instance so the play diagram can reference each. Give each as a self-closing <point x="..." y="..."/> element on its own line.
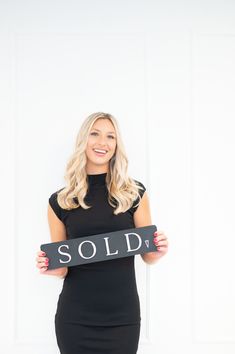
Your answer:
<point x="100" y="152"/>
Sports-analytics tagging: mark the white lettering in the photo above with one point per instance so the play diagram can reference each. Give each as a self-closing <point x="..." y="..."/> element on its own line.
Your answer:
<point x="64" y="254"/>
<point x="107" y="247"/>
<point x="80" y="252"/>
<point x="128" y="241"/>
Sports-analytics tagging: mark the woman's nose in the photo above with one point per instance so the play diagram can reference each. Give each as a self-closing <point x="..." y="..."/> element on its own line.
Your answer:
<point x="102" y="140"/>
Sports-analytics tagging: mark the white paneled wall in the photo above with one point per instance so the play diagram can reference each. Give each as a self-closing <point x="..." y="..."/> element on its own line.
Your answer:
<point x="166" y="71"/>
<point x="213" y="191"/>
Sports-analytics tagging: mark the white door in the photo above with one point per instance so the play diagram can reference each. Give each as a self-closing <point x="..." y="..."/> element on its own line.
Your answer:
<point x="165" y="70"/>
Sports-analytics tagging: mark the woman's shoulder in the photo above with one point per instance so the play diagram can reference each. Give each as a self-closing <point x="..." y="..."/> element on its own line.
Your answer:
<point x="54" y="203"/>
<point x="54" y="194"/>
<point x="141" y="186"/>
<point x="141" y="190"/>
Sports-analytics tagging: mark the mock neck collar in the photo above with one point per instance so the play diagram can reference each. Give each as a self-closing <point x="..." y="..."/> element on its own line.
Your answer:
<point x="97" y="179"/>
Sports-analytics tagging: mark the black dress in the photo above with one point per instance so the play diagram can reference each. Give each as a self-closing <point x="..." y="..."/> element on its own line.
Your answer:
<point x="98" y="309"/>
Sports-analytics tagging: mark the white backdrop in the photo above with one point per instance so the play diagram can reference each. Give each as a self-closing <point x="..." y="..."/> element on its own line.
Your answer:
<point x="165" y="70"/>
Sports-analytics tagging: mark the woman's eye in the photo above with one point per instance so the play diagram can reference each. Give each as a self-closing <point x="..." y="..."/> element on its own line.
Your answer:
<point x="109" y="136"/>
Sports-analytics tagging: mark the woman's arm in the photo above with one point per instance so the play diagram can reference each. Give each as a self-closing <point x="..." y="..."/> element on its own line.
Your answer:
<point x="142" y="217"/>
<point x="58" y="233"/>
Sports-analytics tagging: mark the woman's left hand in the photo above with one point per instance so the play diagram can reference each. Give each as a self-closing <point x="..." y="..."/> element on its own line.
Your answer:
<point x="161" y="242"/>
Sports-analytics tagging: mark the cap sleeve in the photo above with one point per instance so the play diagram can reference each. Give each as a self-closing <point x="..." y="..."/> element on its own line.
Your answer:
<point x="141" y="192"/>
<point x="55" y="206"/>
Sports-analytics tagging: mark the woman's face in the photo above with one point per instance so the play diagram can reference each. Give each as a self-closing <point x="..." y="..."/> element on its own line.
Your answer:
<point x="101" y="145"/>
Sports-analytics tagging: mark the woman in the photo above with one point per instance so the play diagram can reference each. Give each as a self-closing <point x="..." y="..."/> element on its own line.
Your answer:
<point x="98" y="310"/>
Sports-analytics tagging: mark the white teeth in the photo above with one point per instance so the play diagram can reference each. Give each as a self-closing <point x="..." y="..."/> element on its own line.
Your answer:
<point x="102" y="151"/>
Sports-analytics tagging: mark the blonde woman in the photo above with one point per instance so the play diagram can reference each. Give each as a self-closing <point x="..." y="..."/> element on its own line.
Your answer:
<point x="98" y="309"/>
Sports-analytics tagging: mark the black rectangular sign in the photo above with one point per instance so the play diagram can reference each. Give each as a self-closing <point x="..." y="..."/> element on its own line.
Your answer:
<point x="100" y="247"/>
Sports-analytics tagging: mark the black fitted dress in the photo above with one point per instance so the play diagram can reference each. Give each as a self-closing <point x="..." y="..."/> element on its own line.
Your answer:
<point x="98" y="310"/>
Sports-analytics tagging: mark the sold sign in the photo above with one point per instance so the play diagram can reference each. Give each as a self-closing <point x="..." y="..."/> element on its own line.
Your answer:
<point x="100" y="247"/>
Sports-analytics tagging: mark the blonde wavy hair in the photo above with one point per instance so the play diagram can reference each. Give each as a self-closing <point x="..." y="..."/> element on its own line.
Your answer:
<point x="123" y="190"/>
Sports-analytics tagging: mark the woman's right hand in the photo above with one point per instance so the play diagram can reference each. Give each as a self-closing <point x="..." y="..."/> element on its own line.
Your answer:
<point x="43" y="262"/>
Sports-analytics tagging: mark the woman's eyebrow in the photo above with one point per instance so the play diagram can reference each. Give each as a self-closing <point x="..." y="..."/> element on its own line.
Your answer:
<point x="99" y="130"/>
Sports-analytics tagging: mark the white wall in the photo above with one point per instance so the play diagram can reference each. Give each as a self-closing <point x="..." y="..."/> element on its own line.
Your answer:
<point x="165" y="69"/>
